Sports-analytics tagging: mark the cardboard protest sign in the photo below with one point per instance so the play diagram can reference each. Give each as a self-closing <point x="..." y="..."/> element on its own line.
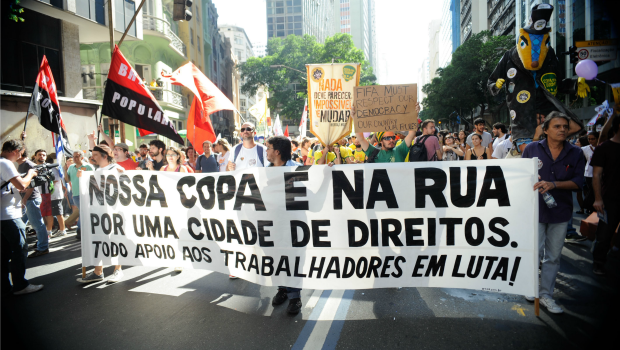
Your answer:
<point x="330" y="98"/>
<point x="427" y="224"/>
<point x="385" y="107"/>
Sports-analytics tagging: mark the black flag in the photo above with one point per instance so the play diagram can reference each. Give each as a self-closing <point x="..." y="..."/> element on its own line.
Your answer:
<point x="44" y="104"/>
<point x="128" y="100"/>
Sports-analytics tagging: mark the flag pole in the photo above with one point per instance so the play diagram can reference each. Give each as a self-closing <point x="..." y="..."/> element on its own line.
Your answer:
<point x="97" y="121"/>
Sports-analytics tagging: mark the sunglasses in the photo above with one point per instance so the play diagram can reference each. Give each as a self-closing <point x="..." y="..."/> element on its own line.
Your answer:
<point x="389" y="138"/>
<point x="247" y="129"/>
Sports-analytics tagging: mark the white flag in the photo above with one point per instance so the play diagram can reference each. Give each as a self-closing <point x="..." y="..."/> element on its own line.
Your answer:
<point x="259" y="110"/>
<point x="304" y="121"/>
<point x="277" y="127"/>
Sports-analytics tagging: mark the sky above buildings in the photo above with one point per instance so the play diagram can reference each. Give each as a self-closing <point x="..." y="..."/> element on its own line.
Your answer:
<point x="401" y="26"/>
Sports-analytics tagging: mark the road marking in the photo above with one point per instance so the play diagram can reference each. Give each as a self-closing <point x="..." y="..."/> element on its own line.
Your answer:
<point x="331" y="310"/>
<point x="519" y="309"/>
<point x="314" y="299"/>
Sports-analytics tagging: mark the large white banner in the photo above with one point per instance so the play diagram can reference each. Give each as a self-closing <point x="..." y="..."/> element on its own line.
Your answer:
<point x="430" y="224"/>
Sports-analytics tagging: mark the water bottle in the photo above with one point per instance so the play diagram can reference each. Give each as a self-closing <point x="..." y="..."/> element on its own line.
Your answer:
<point x="549" y="200"/>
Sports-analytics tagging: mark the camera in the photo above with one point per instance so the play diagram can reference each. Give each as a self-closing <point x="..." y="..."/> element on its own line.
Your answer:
<point x="44" y="175"/>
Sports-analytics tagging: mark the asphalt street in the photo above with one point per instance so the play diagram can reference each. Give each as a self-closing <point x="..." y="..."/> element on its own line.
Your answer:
<point x="157" y="308"/>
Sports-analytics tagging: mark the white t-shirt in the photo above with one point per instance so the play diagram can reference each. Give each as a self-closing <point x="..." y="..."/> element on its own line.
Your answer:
<point x="486" y="139"/>
<point x="498" y="140"/>
<point x="502" y="149"/>
<point x="112" y="166"/>
<point x="588" y="152"/>
<point x="248" y="157"/>
<point x="11" y="200"/>
<point x="223" y="161"/>
<point x="58" y="191"/>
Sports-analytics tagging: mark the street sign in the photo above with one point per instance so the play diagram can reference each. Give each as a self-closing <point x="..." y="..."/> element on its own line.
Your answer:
<point x="597" y="50"/>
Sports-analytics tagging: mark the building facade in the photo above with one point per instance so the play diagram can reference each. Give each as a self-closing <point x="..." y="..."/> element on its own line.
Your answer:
<point x="434" y="33"/>
<point x="450" y="31"/>
<point x="423" y="79"/>
<point x="502" y="16"/>
<point x="473" y="18"/>
<point x="299" y="17"/>
<point x="357" y="18"/>
<point x="243" y="49"/>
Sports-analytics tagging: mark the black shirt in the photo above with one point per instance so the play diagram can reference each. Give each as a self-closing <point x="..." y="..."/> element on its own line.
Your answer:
<point x="23" y="168"/>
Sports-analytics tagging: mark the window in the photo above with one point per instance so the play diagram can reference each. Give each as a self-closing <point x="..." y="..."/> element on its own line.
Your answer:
<point x="90" y="9"/>
<point x="191" y="36"/>
<point x="279" y="19"/>
<point x="124" y="13"/>
<point x="23" y="51"/>
<point x="198" y="41"/>
<point x="197" y="14"/>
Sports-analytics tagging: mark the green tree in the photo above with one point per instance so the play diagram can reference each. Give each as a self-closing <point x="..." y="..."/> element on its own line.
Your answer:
<point x="296" y="52"/>
<point x="462" y="85"/>
<point x="13" y="10"/>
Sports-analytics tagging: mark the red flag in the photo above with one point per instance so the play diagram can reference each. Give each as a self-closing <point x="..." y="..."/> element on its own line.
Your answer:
<point x="128" y="100"/>
<point x="286" y="131"/>
<point x="208" y="95"/>
<point x="197" y="130"/>
<point x="44" y="104"/>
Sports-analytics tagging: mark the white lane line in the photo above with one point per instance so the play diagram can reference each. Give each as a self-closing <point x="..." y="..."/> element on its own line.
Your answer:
<point x="314" y="299"/>
<point x="321" y="329"/>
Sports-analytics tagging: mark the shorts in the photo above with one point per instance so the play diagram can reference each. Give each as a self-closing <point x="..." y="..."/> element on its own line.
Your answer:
<point x="50" y="207"/>
<point x="46" y="204"/>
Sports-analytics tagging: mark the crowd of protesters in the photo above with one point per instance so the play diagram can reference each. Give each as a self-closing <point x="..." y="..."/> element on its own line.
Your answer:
<point x="589" y="166"/>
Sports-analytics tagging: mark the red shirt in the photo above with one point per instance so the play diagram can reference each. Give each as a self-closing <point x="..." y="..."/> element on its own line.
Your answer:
<point x="128" y="164"/>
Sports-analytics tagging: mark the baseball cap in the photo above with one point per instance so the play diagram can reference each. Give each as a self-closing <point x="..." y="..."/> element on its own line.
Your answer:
<point x="122" y="145"/>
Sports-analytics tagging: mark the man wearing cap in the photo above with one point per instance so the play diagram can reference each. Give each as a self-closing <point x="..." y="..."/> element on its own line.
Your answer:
<point x="120" y="156"/>
<point x="533" y="76"/>
<point x="389" y="152"/>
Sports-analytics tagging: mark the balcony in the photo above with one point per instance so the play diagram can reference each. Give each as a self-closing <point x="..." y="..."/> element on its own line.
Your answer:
<point x="169" y="98"/>
<point x="162" y="27"/>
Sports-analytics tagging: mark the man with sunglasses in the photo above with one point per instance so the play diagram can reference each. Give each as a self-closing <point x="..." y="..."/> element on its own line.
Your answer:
<point x="248" y="153"/>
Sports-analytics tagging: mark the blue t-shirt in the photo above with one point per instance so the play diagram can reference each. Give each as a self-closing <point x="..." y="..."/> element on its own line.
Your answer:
<point x="207" y="165"/>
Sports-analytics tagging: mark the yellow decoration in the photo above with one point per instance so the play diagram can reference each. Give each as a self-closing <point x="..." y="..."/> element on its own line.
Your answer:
<point x="582" y="88"/>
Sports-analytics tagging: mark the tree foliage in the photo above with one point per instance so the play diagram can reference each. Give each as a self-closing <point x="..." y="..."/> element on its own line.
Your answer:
<point x="462" y="85"/>
<point x="296" y="52"/>
<point x="13" y="10"/>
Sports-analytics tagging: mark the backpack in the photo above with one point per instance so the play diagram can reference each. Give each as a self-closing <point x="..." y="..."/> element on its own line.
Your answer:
<point x="417" y="151"/>
<point x="259" y="149"/>
<point x="373" y="155"/>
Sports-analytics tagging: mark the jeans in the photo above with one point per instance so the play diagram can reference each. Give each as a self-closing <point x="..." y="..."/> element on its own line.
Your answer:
<point x="15" y="250"/>
<point x="33" y="215"/>
<point x="550" y="244"/>
<point x="291" y="293"/>
<point x="605" y="231"/>
<point x="76" y="202"/>
<point x="570" y="229"/>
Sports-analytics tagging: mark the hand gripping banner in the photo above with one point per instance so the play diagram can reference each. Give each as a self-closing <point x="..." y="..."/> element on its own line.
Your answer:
<point x="442" y="224"/>
<point x="128" y="100"/>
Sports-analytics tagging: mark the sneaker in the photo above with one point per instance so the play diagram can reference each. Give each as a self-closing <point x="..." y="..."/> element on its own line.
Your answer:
<point x="551" y="305"/>
<point x="30" y="289"/>
<point x="59" y="233"/>
<point x="178" y="269"/>
<point x="294" y="306"/>
<point x="38" y="253"/>
<point x="116" y="276"/>
<point x="91" y="277"/>
<point x="279" y="298"/>
<point x="232" y="277"/>
<point x="530" y="299"/>
<point x="599" y="270"/>
<point x="574" y="238"/>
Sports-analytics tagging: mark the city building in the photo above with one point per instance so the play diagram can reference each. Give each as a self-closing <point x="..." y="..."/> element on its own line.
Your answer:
<point x="423" y="79"/>
<point x="260" y="49"/>
<point x="299" y="17"/>
<point x="501" y="17"/>
<point x="242" y="48"/>
<point x="473" y="18"/>
<point x="357" y="17"/>
<point x="450" y="31"/>
<point x="434" y="33"/>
